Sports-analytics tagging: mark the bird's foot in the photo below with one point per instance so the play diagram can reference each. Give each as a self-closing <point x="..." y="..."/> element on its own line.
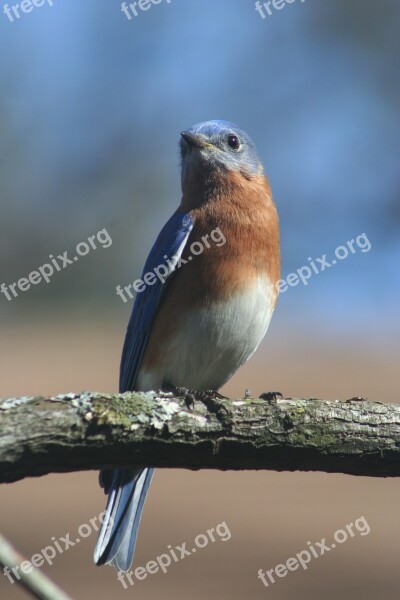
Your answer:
<point x="188" y="395"/>
<point x="356" y="399"/>
<point x="210" y="398"/>
<point x="271" y="396"/>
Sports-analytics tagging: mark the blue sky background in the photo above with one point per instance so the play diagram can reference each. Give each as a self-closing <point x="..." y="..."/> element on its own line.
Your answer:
<point x="91" y="109"/>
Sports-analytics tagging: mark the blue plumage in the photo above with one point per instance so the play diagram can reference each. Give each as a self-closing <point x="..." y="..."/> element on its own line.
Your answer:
<point x="168" y="242"/>
<point x="127" y="488"/>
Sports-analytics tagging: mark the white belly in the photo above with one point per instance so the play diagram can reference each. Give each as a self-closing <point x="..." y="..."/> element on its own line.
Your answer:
<point x="211" y="343"/>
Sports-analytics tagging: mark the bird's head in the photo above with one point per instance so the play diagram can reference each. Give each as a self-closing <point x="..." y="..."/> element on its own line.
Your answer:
<point x="218" y="146"/>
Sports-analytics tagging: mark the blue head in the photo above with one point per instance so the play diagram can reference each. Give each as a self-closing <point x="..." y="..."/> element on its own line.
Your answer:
<point x="218" y="146"/>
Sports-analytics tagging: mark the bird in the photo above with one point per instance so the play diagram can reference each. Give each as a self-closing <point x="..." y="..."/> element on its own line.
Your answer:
<point x="203" y="320"/>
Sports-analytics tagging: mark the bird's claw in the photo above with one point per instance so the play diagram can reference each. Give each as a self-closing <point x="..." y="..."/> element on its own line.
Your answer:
<point x="188" y="395"/>
<point x="356" y="399"/>
<point x="210" y="398"/>
<point x="271" y="396"/>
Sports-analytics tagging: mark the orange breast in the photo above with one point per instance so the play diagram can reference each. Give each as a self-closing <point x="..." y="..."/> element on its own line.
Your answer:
<point x="246" y="218"/>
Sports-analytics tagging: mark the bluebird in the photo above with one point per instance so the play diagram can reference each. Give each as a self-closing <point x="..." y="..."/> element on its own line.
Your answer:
<point x="211" y="313"/>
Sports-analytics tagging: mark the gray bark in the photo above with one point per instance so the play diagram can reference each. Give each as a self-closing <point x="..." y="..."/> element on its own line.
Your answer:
<point x="76" y="432"/>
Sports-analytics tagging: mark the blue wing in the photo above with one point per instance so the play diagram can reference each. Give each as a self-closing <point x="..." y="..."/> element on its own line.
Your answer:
<point x="171" y="239"/>
<point x="127" y="488"/>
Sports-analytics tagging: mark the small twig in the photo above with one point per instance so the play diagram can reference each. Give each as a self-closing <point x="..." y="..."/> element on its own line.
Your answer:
<point x="35" y="582"/>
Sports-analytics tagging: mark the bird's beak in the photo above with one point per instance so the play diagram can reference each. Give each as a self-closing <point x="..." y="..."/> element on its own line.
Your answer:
<point x="194" y="140"/>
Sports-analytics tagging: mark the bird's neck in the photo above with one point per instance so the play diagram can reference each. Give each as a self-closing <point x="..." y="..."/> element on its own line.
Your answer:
<point x="245" y="212"/>
<point x="223" y="192"/>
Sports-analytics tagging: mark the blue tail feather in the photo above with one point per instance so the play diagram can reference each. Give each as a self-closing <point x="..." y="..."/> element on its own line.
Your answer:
<point x="117" y="538"/>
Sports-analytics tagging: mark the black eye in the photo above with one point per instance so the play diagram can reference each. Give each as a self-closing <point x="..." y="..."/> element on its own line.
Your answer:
<point x="233" y="142"/>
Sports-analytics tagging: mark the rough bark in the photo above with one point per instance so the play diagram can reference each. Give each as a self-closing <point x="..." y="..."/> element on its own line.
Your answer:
<point x="76" y="432"/>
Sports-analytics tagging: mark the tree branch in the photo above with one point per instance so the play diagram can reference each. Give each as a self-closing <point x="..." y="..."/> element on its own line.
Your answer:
<point x="35" y="582"/>
<point x="76" y="432"/>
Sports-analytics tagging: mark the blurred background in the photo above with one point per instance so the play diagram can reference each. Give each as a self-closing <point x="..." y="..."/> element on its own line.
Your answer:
<point x="92" y="105"/>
